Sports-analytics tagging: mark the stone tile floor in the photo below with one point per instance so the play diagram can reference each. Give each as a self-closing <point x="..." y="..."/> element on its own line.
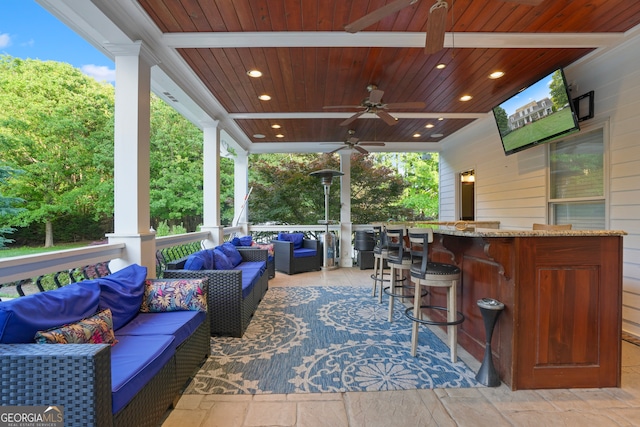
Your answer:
<point x="493" y="407"/>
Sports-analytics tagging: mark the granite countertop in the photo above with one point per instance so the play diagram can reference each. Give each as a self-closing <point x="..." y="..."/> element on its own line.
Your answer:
<point x="471" y="231"/>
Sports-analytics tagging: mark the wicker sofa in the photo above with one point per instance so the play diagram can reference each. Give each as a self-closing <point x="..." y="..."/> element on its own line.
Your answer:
<point x="132" y="382"/>
<point x="233" y="293"/>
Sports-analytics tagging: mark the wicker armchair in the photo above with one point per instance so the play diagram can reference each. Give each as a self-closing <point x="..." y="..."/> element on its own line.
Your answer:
<point x="287" y="262"/>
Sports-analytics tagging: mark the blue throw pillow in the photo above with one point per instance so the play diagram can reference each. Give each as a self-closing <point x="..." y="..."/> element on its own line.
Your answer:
<point x="295" y="238"/>
<point x="235" y="241"/>
<point x="122" y="292"/>
<point x="246" y="241"/>
<point x="201" y="260"/>
<point x="222" y="262"/>
<point x="232" y="253"/>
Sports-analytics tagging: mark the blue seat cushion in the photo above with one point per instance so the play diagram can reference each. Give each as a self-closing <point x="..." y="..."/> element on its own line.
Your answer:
<point x="135" y="360"/>
<point x="304" y="252"/>
<point x="251" y="273"/>
<point x="180" y="324"/>
<point x="122" y="292"/>
<point x="22" y="317"/>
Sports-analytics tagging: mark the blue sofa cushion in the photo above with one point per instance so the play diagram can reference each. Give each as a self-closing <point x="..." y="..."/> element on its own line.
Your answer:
<point x="180" y="324"/>
<point x="135" y="360"/>
<point x="22" y="317"/>
<point x="231" y="252"/>
<point x="201" y="260"/>
<point x="222" y="261"/>
<point x="304" y="252"/>
<point x="295" y="238"/>
<point x="122" y="292"/>
<point x="242" y="241"/>
<point x="251" y="273"/>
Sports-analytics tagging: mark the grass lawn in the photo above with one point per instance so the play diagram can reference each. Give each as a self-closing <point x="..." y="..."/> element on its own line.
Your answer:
<point x="550" y="125"/>
<point x="28" y="250"/>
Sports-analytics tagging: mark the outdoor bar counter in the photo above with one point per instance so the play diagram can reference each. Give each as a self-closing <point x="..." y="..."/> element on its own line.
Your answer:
<point x="562" y="291"/>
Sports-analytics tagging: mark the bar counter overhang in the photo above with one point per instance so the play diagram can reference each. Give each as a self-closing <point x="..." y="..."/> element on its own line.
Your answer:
<point x="562" y="291"/>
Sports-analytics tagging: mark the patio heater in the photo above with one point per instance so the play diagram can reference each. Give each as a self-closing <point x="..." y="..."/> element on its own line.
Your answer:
<point x="328" y="238"/>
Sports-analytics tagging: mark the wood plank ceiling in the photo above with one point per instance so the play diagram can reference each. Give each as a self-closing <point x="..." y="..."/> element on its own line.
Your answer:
<point x="303" y="79"/>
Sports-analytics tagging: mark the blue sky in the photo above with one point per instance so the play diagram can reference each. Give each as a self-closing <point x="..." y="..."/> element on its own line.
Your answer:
<point x="28" y="31"/>
<point x="535" y="92"/>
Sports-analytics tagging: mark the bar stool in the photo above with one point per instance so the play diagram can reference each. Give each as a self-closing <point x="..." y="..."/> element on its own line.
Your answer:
<point x="434" y="274"/>
<point x="380" y="256"/>
<point x="399" y="260"/>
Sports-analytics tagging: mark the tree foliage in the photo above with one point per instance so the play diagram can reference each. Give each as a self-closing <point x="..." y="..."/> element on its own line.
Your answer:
<point x="7" y="204"/>
<point x="55" y="121"/>
<point x="283" y="190"/>
<point x="557" y="91"/>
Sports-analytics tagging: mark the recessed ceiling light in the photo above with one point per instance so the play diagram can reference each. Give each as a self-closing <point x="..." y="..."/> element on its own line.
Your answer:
<point x="279" y="135"/>
<point x="436" y="135"/>
<point x="429" y="125"/>
<point x="275" y="126"/>
<point x="465" y="98"/>
<point x="416" y="135"/>
<point x="254" y="73"/>
<point x="496" y="74"/>
<point x="440" y="118"/>
<point x="264" y="97"/>
<point x="441" y="66"/>
<point x="258" y="135"/>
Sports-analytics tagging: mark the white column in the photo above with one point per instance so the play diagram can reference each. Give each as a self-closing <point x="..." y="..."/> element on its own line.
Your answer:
<point x="131" y="157"/>
<point x="211" y="183"/>
<point x="241" y="189"/>
<point x="346" y="255"/>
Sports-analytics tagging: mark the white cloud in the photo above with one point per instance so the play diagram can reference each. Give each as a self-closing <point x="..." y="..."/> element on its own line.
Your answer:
<point x="99" y="72"/>
<point x="5" y="40"/>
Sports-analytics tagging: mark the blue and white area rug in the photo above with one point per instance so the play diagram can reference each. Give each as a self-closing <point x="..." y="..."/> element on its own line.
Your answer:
<point x="327" y="339"/>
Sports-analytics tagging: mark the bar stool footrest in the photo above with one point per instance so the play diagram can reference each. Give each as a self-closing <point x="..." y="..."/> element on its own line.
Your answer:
<point x="409" y="314"/>
<point x="379" y="279"/>
<point x="423" y="293"/>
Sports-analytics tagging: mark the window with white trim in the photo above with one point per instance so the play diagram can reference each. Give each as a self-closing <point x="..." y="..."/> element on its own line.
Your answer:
<point x="577" y="181"/>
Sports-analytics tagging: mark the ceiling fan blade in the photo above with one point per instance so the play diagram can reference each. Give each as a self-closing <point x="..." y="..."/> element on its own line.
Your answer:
<point x="386" y="117"/>
<point x="352" y="118"/>
<point x="342" y="106"/>
<point x="417" y="104"/>
<point x="435" y="27"/>
<point x="528" y="2"/>
<point x="377" y="15"/>
<point x="373" y="144"/>
<point x="376" y="96"/>
<point x="360" y="149"/>
<point x="337" y="149"/>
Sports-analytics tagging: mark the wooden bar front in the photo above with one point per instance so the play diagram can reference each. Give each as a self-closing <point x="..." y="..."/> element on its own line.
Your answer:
<point x="561" y="326"/>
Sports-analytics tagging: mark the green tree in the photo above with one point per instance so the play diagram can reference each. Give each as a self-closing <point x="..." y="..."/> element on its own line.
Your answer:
<point x="7" y="204"/>
<point x="54" y="125"/>
<point x="421" y="196"/>
<point x="283" y="190"/>
<point x="557" y="91"/>
<point x="502" y="120"/>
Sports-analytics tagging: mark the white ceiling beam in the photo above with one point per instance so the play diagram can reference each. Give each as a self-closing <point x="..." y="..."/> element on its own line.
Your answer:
<point x="388" y="39"/>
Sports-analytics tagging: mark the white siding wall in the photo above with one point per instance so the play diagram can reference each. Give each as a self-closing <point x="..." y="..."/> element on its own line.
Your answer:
<point x="513" y="189"/>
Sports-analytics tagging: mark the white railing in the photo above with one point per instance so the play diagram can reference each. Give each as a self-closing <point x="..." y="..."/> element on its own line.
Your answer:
<point x="25" y="267"/>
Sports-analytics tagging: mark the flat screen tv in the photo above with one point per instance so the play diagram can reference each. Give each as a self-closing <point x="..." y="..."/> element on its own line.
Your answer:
<point x="537" y="114"/>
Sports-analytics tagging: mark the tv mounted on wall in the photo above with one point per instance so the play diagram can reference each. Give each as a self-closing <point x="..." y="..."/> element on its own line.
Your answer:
<point x="537" y="114"/>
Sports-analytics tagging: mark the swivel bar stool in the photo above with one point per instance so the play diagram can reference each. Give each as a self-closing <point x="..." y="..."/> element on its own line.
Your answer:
<point x="432" y="274"/>
<point x="380" y="256"/>
<point x="399" y="260"/>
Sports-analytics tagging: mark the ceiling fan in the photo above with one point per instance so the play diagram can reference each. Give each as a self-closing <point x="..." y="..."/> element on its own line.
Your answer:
<point x="374" y="105"/>
<point x="435" y="23"/>
<point x="354" y="143"/>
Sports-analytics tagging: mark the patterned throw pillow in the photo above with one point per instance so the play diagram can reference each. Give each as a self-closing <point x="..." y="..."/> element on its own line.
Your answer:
<point x="97" y="329"/>
<point x="174" y="295"/>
